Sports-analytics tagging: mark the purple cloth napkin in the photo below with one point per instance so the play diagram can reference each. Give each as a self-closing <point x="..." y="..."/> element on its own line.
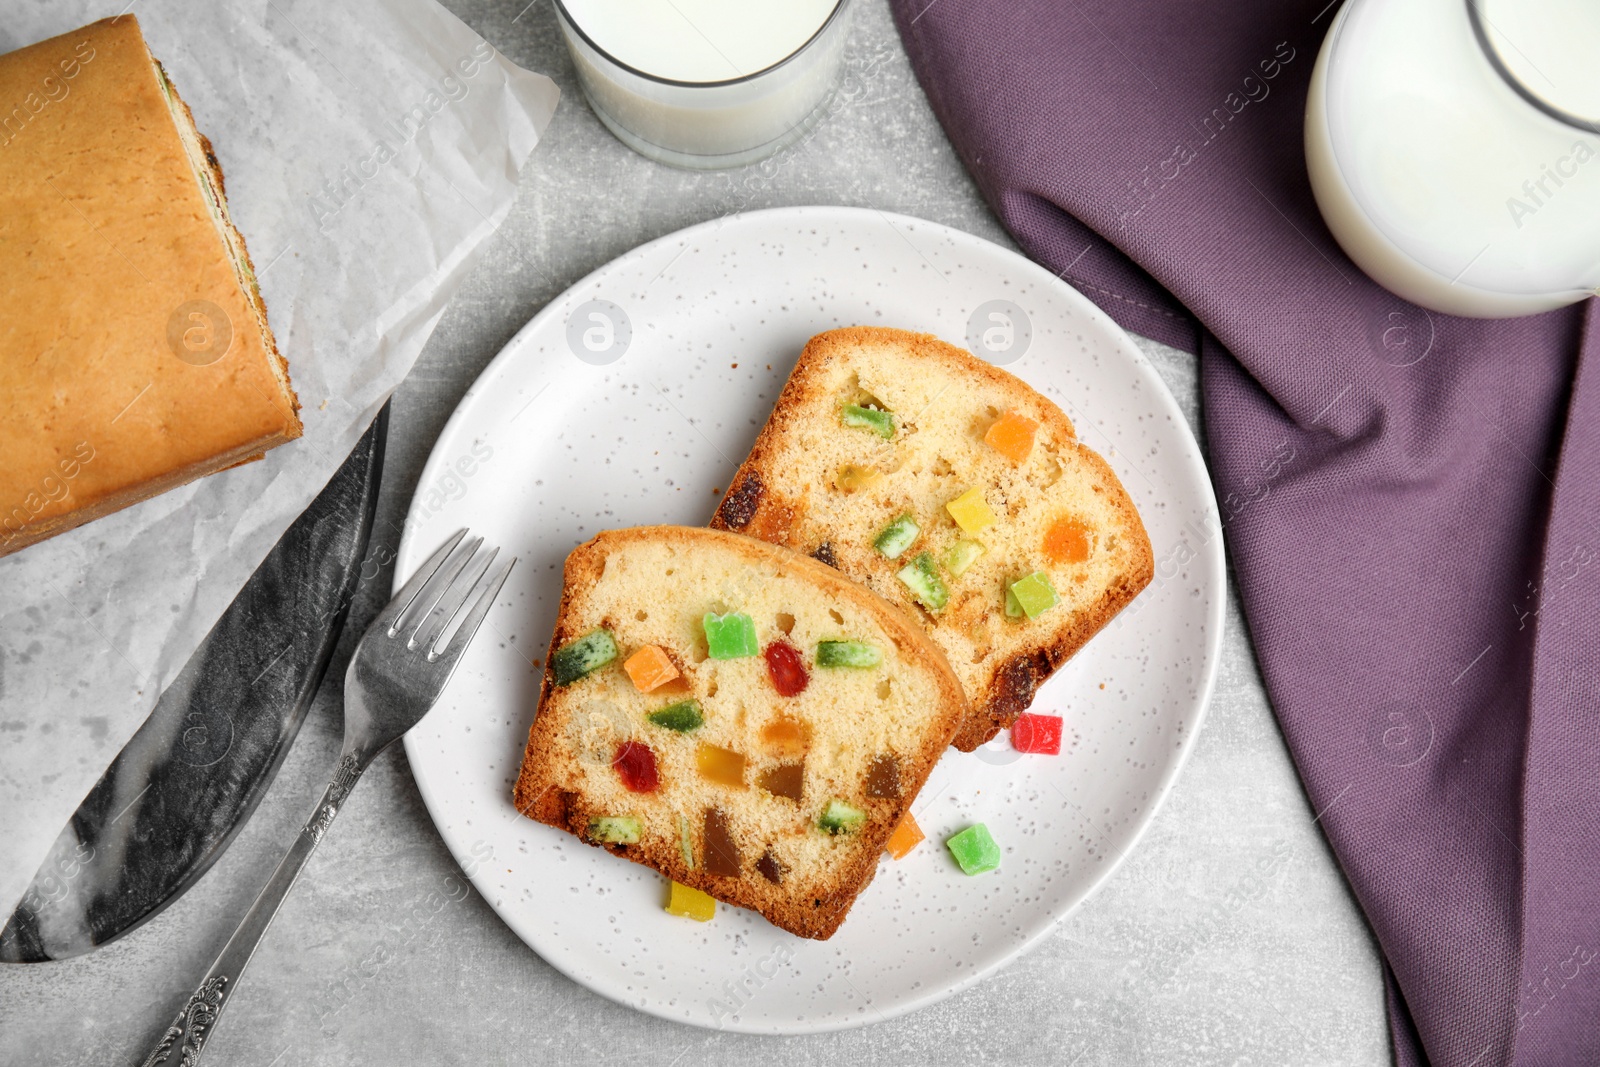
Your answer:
<point x="1412" y="500"/>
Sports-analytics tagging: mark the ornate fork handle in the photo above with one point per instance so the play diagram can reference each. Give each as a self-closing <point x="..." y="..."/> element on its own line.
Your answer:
<point x="396" y="674"/>
<point x="188" y="1032"/>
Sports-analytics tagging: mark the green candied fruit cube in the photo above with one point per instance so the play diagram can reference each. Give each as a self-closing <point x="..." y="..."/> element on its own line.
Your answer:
<point x="582" y="657"/>
<point x="730" y="636"/>
<point x="1034" y="594"/>
<point x="1013" y="609"/>
<point x="681" y="717"/>
<point x="921" y="576"/>
<point x="961" y="555"/>
<point x="871" y="419"/>
<point x="897" y="536"/>
<point x="614" y="830"/>
<point x="857" y="654"/>
<point x="840" y="818"/>
<point x="685" y="842"/>
<point x="974" y="849"/>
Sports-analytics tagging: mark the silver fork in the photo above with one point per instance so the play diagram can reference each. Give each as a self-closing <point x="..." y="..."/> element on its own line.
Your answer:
<point x="395" y="675"/>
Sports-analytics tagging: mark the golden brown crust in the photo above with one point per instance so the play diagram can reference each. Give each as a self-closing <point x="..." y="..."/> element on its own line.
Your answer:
<point x="250" y="285"/>
<point x="757" y="505"/>
<point x="104" y="234"/>
<point x="541" y="793"/>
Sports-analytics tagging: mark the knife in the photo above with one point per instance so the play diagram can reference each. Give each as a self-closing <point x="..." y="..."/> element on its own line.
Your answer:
<point x="186" y="782"/>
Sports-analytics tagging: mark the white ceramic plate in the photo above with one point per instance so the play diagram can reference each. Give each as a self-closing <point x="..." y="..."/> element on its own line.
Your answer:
<point x="686" y="343"/>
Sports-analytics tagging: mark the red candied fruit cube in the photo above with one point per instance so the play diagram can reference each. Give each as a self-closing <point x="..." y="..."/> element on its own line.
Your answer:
<point x="636" y="766"/>
<point x="1037" y="733"/>
<point x="786" y="669"/>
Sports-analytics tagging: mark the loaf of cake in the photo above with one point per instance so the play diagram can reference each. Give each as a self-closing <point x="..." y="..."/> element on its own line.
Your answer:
<point x="136" y="354"/>
<point x="739" y="717"/>
<point x="954" y="490"/>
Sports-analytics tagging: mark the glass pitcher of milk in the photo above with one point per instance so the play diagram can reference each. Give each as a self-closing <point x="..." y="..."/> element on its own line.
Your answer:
<point x="1454" y="149"/>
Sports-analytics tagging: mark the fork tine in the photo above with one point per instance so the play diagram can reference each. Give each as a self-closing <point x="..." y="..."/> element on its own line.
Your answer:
<point x="449" y="604"/>
<point x="435" y="586"/>
<point x="486" y="589"/>
<point x="391" y="612"/>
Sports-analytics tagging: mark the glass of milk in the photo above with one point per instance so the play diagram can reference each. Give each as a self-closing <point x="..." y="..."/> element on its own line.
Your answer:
<point x="1454" y="149"/>
<point x="706" y="83"/>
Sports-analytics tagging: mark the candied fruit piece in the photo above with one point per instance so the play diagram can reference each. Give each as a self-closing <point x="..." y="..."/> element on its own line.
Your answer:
<point x="614" y="830"/>
<point x="883" y="777"/>
<point x="721" y="850"/>
<point x="856" y="654"/>
<point x="1037" y="733"/>
<point x="1012" y="436"/>
<point x="730" y="636"/>
<point x="838" y="817"/>
<point x="785" y="780"/>
<point x="921" y="576"/>
<point x="770" y="868"/>
<point x="650" y="668"/>
<point x="907" y="836"/>
<point x="870" y="419"/>
<point x="974" y="849"/>
<point x="898" y="536"/>
<point x="635" y="764"/>
<point x="583" y="656"/>
<point x="1034" y="594"/>
<point x="784" y="736"/>
<point x="961" y="555"/>
<point x="1067" y="541"/>
<point x="971" y="511"/>
<point x="691" y="904"/>
<point x="681" y="717"/>
<point x="720" y="765"/>
<point x="851" y="478"/>
<point x="786" y="669"/>
<point x="1013" y="609"/>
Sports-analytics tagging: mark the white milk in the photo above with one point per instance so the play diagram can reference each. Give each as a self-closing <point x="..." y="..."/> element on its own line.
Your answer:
<point x="699" y="40"/>
<point x="706" y="83"/>
<point x="1437" y="176"/>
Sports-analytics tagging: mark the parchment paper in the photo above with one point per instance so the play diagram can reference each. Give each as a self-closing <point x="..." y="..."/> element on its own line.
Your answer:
<point x="369" y="148"/>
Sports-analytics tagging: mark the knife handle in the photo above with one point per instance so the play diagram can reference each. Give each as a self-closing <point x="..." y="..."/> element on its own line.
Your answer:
<point x="188" y="1033"/>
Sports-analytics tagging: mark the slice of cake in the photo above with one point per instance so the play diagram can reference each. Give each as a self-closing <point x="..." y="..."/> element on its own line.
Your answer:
<point x="134" y="348"/>
<point x="955" y="490"/>
<point x="739" y="717"/>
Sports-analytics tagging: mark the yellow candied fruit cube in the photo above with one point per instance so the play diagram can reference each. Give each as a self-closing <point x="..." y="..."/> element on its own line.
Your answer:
<point x="650" y="668"/>
<point x="719" y="765"/>
<point x="970" y="511"/>
<point x="691" y="904"/>
<point x="851" y="478"/>
<point x="907" y="836"/>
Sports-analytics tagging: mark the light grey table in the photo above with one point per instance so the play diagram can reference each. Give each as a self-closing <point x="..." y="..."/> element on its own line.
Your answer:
<point x="1227" y="938"/>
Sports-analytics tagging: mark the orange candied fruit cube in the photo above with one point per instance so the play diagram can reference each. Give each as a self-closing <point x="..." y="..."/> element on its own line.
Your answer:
<point x="720" y="765"/>
<point x="786" y="737"/>
<point x="1067" y="541"/>
<point x="650" y="668"/>
<point x="1012" y="436"/>
<point x="907" y="836"/>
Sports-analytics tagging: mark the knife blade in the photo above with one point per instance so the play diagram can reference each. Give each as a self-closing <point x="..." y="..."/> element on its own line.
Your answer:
<point x="189" y="778"/>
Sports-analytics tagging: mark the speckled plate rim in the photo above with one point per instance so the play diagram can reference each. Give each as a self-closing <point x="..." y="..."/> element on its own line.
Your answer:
<point x="1209" y="555"/>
